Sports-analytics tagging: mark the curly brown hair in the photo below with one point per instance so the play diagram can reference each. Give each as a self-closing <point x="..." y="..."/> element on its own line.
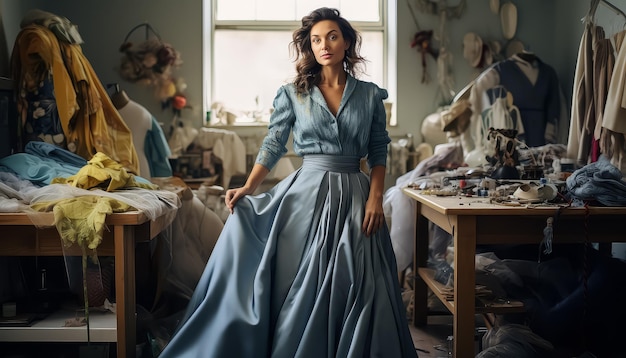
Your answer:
<point x="307" y="67"/>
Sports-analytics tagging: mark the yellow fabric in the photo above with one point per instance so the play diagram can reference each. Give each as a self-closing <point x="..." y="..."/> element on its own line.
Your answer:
<point x="36" y="46"/>
<point x="90" y="122"/>
<point x="104" y="173"/>
<point x="81" y="220"/>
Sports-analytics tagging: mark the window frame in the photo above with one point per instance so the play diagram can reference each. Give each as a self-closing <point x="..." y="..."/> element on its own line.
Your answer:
<point x="386" y="24"/>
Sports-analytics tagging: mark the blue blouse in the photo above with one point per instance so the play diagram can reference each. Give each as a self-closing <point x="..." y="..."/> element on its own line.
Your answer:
<point x="359" y="129"/>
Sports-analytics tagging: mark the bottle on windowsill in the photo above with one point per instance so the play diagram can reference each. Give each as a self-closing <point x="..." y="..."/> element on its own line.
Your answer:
<point x="409" y="145"/>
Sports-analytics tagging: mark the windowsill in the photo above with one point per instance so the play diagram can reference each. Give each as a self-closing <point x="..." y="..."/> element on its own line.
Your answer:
<point x="239" y="125"/>
<point x="259" y="124"/>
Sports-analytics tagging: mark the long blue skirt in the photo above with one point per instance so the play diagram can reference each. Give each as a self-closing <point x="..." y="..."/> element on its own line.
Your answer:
<point x="293" y="275"/>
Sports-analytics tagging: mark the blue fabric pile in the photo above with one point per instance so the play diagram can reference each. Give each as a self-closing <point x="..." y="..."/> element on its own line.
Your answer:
<point x="600" y="181"/>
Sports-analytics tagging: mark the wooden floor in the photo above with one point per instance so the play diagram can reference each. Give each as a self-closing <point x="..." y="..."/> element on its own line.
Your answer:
<point x="431" y="341"/>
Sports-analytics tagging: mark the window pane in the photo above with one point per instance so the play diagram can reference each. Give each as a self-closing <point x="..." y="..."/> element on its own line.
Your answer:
<point x="290" y="10"/>
<point x="248" y="64"/>
<point x="372" y="50"/>
<point x="306" y="6"/>
<point x="283" y="10"/>
<point x="363" y="10"/>
<point x="251" y="64"/>
<point x="235" y="9"/>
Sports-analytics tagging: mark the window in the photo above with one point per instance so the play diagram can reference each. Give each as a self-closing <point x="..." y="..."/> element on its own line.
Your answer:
<point x="247" y="55"/>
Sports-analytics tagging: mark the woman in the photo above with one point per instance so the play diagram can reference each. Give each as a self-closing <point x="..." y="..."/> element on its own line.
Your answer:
<point x="307" y="269"/>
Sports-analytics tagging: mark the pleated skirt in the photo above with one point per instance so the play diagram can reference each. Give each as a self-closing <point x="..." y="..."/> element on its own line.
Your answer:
<point x="293" y="275"/>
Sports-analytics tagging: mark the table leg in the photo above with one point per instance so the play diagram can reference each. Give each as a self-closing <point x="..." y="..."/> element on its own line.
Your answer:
<point x="124" y="237"/>
<point x="464" y="285"/>
<point x="420" y="258"/>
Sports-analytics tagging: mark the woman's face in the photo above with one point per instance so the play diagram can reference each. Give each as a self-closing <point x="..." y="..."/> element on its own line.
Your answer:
<point x="327" y="43"/>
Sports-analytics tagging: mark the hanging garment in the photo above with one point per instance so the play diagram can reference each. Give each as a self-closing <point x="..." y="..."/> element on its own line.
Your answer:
<point x="612" y="141"/>
<point x="227" y="148"/>
<point x="502" y="114"/>
<point x="535" y="90"/>
<point x="158" y="151"/>
<point x="42" y="122"/>
<point x="582" y="98"/>
<point x="603" y="63"/>
<point x="89" y="120"/>
<point x="538" y="102"/>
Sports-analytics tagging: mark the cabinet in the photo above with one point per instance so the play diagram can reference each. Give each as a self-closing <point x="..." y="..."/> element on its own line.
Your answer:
<point x="21" y="238"/>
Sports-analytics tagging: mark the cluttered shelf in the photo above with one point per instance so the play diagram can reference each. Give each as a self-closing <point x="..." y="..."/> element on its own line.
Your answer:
<point x="484" y="303"/>
<point x="125" y="230"/>
<point x="53" y="328"/>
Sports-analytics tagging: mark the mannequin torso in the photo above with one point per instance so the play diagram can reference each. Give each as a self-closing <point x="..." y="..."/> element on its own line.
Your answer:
<point x="139" y="121"/>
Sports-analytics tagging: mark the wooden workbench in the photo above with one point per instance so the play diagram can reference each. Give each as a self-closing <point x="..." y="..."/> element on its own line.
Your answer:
<point x="473" y="221"/>
<point x="21" y="238"/>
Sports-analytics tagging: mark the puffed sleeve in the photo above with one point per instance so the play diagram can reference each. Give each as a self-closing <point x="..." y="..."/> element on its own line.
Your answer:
<point x="379" y="137"/>
<point x="281" y="123"/>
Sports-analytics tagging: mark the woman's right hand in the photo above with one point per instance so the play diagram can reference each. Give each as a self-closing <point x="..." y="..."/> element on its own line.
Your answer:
<point x="233" y="195"/>
<point x="254" y="179"/>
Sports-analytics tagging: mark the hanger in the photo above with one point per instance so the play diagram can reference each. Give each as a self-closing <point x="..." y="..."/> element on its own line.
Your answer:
<point x="464" y="93"/>
<point x="613" y="7"/>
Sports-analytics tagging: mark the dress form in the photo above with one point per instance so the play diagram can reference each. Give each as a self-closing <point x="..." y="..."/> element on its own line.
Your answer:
<point x="535" y="91"/>
<point x="139" y="121"/>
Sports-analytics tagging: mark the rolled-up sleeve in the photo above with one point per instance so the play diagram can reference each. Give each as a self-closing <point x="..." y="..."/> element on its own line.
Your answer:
<point x="281" y="123"/>
<point x="379" y="137"/>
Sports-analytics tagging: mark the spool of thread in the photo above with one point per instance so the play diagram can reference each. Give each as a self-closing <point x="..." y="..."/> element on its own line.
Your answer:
<point x="9" y="309"/>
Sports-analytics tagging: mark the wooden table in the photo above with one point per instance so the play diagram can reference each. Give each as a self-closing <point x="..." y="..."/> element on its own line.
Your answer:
<point x="473" y="221"/>
<point x="21" y="238"/>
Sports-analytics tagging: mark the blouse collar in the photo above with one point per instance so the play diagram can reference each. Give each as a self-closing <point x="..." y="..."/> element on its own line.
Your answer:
<point x="317" y="97"/>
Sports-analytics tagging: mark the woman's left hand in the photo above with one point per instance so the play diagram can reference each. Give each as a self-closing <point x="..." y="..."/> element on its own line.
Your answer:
<point x="374" y="216"/>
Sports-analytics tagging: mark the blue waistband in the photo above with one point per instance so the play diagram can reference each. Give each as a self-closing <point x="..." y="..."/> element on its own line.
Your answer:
<point x="332" y="163"/>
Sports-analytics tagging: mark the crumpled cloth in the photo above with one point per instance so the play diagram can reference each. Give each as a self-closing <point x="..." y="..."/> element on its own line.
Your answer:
<point x="103" y="172"/>
<point x="81" y="220"/>
<point x="600" y="181"/>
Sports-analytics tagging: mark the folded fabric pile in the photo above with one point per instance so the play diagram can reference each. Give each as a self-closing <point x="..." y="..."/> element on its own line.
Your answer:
<point x="600" y="181"/>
